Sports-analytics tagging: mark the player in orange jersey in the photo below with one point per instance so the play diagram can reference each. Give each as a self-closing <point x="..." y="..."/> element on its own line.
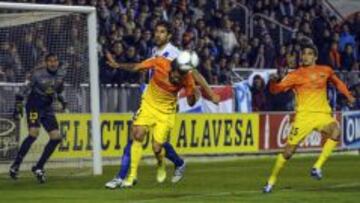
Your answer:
<point x="158" y="108"/>
<point x="309" y="83"/>
<point x="164" y="48"/>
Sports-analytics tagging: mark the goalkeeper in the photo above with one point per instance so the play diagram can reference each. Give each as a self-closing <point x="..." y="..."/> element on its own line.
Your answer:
<point x="45" y="86"/>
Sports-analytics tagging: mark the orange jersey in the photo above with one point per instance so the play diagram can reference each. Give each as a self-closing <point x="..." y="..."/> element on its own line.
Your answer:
<point x="161" y="93"/>
<point x="310" y="88"/>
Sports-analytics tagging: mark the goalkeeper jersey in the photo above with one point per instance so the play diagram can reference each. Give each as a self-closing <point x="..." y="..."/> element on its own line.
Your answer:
<point x="44" y="86"/>
<point x="310" y="87"/>
<point x="161" y="94"/>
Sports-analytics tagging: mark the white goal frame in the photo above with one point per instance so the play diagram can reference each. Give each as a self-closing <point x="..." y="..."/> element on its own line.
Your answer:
<point x="93" y="65"/>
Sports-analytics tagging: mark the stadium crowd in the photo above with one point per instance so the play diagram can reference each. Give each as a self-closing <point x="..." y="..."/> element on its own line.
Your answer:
<point x="216" y="31"/>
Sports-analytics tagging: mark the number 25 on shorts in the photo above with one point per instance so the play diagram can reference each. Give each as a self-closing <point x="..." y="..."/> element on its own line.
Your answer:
<point x="293" y="133"/>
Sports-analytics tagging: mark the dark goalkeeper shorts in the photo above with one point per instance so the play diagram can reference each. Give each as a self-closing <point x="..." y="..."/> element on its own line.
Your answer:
<point x="41" y="115"/>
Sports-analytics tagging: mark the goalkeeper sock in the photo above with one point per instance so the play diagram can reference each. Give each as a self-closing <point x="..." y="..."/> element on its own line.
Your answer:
<point x="48" y="150"/>
<point x="327" y="149"/>
<point x="135" y="153"/>
<point x="125" y="161"/>
<point x="279" y="164"/>
<point x="24" y="148"/>
<point x="171" y="154"/>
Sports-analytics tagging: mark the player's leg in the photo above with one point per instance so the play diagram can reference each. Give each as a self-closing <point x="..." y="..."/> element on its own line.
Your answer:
<point x="280" y="162"/>
<point x="161" y="134"/>
<point x="124" y="168"/>
<point x="171" y="154"/>
<point x="141" y="120"/>
<point x="161" y="165"/>
<point x="162" y="148"/>
<point x="332" y="131"/>
<point x="51" y="126"/>
<point x="164" y="129"/>
<point x="179" y="163"/>
<point x="137" y="133"/>
<point x="34" y="129"/>
<point x="300" y="129"/>
<point x="125" y="161"/>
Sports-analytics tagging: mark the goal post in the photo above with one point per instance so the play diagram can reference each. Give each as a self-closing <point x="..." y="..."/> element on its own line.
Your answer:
<point x="93" y="69"/>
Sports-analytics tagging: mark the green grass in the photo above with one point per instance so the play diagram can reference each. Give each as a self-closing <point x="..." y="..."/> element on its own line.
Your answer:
<point x="227" y="181"/>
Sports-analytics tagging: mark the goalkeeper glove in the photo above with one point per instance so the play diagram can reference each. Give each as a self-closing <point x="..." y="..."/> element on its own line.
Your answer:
<point x="64" y="104"/>
<point x="64" y="107"/>
<point x="19" y="107"/>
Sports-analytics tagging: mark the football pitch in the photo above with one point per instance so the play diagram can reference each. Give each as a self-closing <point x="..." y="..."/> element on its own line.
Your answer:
<point x="239" y="180"/>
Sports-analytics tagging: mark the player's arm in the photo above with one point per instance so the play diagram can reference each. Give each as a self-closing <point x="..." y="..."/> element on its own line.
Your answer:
<point x="20" y="97"/>
<point x="114" y="64"/>
<point x="199" y="79"/>
<point x="288" y="82"/>
<point x="60" y="97"/>
<point x="341" y="86"/>
<point x="132" y="67"/>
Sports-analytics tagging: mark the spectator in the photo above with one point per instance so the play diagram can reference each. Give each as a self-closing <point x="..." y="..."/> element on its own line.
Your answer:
<point x="356" y="27"/>
<point x="348" y="60"/>
<point x="210" y="74"/>
<point x="27" y="51"/>
<point x="197" y="26"/>
<point x="287" y="8"/>
<point x="127" y="24"/>
<point x="131" y="57"/>
<point x="346" y="38"/>
<point x="225" y="72"/>
<point x="258" y="95"/>
<point x="292" y="57"/>
<point x="260" y="57"/>
<point x="2" y="74"/>
<point x="9" y="62"/>
<point x="335" y="57"/>
<point x="258" y="8"/>
<point x="282" y="101"/>
<point x="260" y="28"/>
<point x="270" y="51"/>
<point x="324" y="44"/>
<point x="227" y="38"/>
<point x="280" y="61"/>
<point x="109" y="75"/>
<point x="356" y="93"/>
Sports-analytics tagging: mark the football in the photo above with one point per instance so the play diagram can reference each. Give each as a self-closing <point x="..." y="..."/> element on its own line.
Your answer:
<point x="187" y="60"/>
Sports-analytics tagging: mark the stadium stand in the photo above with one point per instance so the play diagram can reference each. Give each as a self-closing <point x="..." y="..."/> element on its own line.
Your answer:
<point x="216" y="29"/>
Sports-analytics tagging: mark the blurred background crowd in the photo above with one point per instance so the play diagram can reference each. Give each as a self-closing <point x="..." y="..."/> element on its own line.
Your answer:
<point x="215" y="29"/>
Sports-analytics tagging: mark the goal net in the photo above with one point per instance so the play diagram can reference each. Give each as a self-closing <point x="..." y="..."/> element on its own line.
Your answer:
<point x="27" y="33"/>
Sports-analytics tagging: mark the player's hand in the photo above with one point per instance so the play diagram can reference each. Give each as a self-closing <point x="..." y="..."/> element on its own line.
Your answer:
<point x="66" y="110"/>
<point x="109" y="56"/>
<point x="274" y="77"/>
<point x="197" y="94"/>
<point x="64" y="106"/>
<point x="215" y="98"/>
<point x="112" y="64"/>
<point x="351" y="101"/>
<point x="19" y="110"/>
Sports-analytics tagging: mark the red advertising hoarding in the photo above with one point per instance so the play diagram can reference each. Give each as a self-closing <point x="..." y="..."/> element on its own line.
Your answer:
<point x="275" y="127"/>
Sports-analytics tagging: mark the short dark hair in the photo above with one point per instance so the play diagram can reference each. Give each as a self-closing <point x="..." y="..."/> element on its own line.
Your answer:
<point x="176" y="67"/>
<point x="49" y="55"/>
<point x="310" y="46"/>
<point x="166" y="25"/>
